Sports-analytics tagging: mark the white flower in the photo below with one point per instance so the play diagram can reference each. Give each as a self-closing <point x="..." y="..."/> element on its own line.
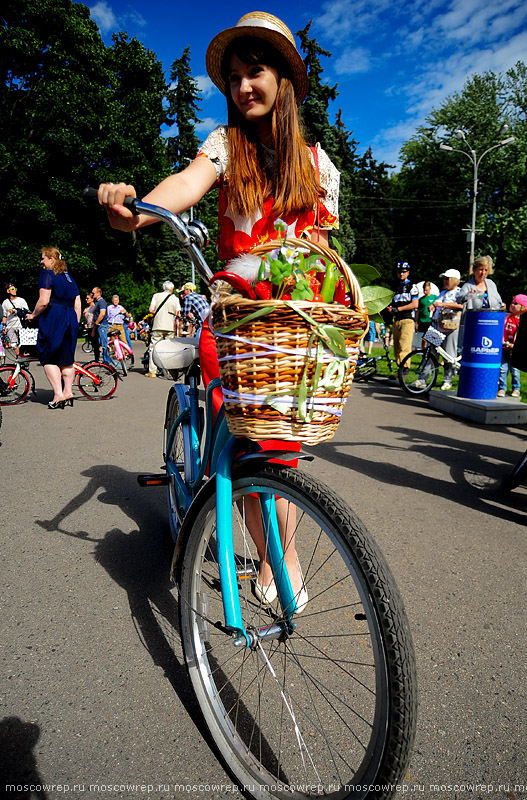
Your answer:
<point x="280" y="226"/>
<point x="289" y="253"/>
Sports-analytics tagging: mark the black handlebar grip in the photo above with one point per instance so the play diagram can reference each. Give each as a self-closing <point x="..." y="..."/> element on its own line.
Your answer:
<point x="91" y="194"/>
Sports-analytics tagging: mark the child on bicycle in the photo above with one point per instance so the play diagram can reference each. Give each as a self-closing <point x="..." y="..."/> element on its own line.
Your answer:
<point x="512" y="321"/>
<point x="262" y="165"/>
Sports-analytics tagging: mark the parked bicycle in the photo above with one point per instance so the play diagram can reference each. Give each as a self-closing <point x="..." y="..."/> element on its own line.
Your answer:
<point x="419" y="371"/>
<point x="368" y="366"/>
<point x="95" y="381"/>
<point x="323" y="699"/>
<point x="120" y="353"/>
<point x="7" y="351"/>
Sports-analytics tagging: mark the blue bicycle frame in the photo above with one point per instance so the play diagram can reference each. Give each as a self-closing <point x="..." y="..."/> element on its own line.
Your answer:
<point x="223" y="449"/>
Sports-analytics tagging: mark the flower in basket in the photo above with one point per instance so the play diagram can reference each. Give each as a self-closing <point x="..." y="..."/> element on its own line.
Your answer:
<point x="291" y="272"/>
<point x="305" y="288"/>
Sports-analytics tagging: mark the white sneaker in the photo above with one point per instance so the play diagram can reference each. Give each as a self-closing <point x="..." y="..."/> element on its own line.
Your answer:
<point x="515" y="393"/>
<point x="419" y="384"/>
<point x="446" y="386"/>
<point x="501" y="393"/>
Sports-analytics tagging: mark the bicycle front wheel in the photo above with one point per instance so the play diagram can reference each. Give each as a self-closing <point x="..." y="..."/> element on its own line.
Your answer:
<point x="100" y="384"/>
<point x="87" y="346"/>
<point x="13" y="391"/>
<point x="329" y="707"/>
<point x="418" y="372"/>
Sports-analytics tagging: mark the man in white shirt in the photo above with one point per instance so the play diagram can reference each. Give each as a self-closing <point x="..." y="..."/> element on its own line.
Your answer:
<point x="165" y="307"/>
<point x="10" y="318"/>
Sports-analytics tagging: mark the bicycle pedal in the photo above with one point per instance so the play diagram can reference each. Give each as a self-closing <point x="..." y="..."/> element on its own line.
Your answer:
<point x="153" y="480"/>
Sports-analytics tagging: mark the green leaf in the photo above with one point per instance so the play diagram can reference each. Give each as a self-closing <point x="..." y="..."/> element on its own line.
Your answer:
<point x="376" y="298"/>
<point x="334" y="339"/>
<point x="364" y="273"/>
<point x="336" y="245"/>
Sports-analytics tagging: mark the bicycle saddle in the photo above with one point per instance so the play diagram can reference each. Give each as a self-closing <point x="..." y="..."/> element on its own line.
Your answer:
<point x="176" y="353"/>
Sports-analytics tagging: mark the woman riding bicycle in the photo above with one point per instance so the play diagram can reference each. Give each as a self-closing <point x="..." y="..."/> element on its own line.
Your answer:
<point x="264" y="169"/>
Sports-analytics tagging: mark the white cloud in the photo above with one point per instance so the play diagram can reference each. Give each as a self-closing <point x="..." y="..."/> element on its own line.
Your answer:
<point x="103" y="17"/>
<point x="205" y="86"/>
<point x="108" y="22"/>
<point x="208" y="124"/>
<point x="353" y="61"/>
<point x="425" y="51"/>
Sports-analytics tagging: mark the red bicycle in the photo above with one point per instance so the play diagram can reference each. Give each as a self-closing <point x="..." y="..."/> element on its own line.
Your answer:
<point x="95" y="381"/>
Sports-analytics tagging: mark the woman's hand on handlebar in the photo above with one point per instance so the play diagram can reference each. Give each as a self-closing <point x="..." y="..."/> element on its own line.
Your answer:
<point x="111" y="196"/>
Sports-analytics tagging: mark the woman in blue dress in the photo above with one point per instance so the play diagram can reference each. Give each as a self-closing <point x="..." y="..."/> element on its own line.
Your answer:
<point x="59" y="309"/>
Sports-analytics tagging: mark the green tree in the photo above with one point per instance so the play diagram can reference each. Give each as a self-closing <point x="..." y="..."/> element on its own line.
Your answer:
<point x="183" y="106"/>
<point x="74" y="112"/>
<point x="314" y="112"/>
<point x="370" y="215"/>
<point x="434" y="187"/>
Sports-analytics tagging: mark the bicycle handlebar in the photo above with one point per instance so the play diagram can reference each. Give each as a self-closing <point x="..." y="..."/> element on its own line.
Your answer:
<point x="192" y="235"/>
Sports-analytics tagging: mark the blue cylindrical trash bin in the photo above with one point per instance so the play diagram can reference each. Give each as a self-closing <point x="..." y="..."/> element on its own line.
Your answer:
<point x="481" y="355"/>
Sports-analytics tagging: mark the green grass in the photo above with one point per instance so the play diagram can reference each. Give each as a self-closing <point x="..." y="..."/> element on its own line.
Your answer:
<point x="382" y="369"/>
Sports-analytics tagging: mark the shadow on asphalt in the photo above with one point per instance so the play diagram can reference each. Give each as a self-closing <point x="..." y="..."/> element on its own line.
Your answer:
<point x="476" y="470"/>
<point x="139" y="562"/>
<point x="18" y="764"/>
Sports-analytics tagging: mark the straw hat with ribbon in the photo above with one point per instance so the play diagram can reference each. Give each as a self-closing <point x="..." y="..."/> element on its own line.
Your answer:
<point x="262" y="26"/>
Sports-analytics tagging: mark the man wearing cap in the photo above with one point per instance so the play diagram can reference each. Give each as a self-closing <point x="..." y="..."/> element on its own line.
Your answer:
<point x="403" y="306"/>
<point x="10" y="317"/>
<point x="165" y="307"/>
<point x="195" y="307"/>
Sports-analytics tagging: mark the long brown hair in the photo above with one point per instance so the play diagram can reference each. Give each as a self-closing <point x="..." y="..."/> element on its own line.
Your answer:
<point x="59" y="265"/>
<point x="292" y="183"/>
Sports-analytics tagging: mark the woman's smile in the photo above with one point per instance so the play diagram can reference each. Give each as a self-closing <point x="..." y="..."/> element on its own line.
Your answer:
<point x="253" y="88"/>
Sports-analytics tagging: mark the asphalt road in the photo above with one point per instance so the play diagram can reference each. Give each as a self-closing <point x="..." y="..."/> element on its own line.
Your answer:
<point x="95" y="698"/>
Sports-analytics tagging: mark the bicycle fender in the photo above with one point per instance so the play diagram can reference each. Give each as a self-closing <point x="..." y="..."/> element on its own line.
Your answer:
<point x="269" y="455"/>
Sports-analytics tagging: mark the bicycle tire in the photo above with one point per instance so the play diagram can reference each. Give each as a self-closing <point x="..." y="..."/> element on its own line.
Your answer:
<point x="347" y="669"/>
<point x="87" y="347"/>
<point x="517" y="476"/>
<point x="179" y="454"/>
<point x="364" y="373"/>
<point x="122" y="364"/>
<point x="417" y="373"/>
<point x="18" y="392"/>
<point x="108" y="381"/>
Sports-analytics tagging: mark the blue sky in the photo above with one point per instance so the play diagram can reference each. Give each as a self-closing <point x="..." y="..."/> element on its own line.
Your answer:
<point x="393" y="62"/>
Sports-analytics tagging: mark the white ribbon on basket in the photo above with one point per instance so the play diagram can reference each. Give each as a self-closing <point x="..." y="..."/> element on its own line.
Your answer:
<point x="320" y="404"/>
<point x="268" y="348"/>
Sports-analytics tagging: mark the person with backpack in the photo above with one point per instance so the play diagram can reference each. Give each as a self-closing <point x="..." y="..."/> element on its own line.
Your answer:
<point x="165" y="307"/>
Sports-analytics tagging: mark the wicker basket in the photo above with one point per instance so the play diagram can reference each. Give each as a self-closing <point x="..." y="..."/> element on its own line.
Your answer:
<point x="264" y="361"/>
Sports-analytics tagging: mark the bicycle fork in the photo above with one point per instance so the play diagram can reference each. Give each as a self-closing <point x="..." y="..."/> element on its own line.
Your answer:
<point x="227" y="567"/>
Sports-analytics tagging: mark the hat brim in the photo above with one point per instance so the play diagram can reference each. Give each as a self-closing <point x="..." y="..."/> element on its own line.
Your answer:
<point x="287" y="50"/>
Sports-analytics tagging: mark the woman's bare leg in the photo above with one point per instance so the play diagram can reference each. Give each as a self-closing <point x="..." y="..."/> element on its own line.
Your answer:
<point x="53" y="374"/>
<point x="68" y="373"/>
<point x="286" y="514"/>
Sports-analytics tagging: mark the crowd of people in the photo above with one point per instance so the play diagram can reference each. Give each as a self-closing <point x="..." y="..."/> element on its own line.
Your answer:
<point x="417" y="307"/>
<point x="168" y="316"/>
<point x="182" y="312"/>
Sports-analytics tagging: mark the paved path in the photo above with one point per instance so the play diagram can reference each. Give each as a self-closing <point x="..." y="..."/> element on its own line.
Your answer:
<point x="93" y="687"/>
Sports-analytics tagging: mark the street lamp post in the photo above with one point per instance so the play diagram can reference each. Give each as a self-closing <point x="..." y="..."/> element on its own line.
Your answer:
<point x="476" y="161"/>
